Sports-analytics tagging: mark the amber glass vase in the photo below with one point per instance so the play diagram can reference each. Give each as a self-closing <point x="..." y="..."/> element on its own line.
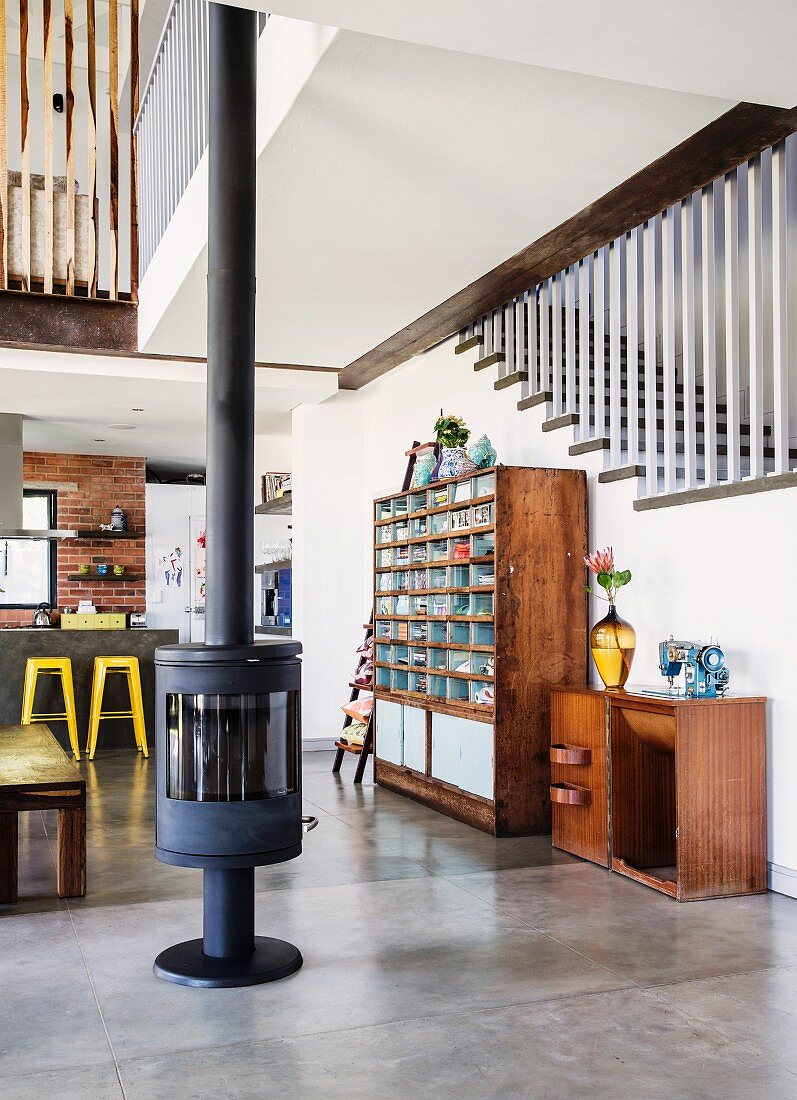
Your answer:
<point x="613" y="643"/>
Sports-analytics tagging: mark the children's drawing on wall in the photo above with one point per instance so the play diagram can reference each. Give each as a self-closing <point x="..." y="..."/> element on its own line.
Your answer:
<point x="170" y="567"/>
<point x="199" y="565"/>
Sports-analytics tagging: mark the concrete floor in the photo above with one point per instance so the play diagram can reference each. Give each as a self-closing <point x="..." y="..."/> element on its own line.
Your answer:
<point x="439" y="962"/>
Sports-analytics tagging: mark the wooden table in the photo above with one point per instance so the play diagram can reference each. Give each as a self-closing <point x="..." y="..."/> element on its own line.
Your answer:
<point x="36" y="774"/>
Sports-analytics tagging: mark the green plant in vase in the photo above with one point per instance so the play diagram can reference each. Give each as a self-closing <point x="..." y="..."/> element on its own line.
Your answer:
<point x="612" y="640"/>
<point x="452" y="434"/>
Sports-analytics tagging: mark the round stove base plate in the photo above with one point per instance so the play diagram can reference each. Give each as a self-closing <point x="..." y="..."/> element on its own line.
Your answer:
<point x="186" y="964"/>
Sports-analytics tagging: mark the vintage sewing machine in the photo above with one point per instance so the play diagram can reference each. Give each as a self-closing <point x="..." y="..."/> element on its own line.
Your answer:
<point x="706" y="676"/>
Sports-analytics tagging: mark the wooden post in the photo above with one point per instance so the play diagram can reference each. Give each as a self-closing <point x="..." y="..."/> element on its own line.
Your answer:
<point x="24" y="110"/>
<point x="8" y="857"/>
<point x="134" y="94"/>
<point x="91" y="74"/>
<point x="70" y="151"/>
<point x="72" y="852"/>
<point x="113" y="87"/>
<point x="3" y="152"/>
<point x="47" y="38"/>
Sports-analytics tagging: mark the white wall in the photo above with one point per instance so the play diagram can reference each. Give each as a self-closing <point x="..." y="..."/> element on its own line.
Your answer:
<point x="720" y="568"/>
<point x="331" y="600"/>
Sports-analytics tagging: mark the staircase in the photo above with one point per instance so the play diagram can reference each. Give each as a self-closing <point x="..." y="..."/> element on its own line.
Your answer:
<point x="667" y="350"/>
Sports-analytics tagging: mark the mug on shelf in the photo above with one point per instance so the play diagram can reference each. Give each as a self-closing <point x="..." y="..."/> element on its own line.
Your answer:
<point x="118" y="570"/>
<point x="83" y="570"/>
<point x="102" y="570"/>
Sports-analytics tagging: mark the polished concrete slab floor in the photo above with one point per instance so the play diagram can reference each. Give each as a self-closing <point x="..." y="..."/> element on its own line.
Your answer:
<point x="439" y="962"/>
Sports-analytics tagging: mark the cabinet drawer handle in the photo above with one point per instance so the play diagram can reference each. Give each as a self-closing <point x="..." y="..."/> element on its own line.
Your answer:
<point x="570" y="754"/>
<point x="569" y="795"/>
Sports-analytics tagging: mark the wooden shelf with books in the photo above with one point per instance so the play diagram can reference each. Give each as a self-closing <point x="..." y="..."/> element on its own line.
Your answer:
<point x="479" y="609"/>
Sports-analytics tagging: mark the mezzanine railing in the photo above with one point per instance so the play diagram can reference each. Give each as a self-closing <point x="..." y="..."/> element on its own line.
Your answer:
<point x="669" y="348"/>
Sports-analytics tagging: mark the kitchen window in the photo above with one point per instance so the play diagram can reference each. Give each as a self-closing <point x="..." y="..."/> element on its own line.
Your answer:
<point x="28" y="566"/>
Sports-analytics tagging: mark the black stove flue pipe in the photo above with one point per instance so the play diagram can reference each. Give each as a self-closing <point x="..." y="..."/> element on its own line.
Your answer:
<point x="230" y="839"/>
<point x="231" y="325"/>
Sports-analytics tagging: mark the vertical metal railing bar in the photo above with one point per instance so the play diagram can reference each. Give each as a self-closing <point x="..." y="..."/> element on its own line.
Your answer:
<point x="649" y="250"/>
<point x="780" y="311"/>
<point x="545" y="337"/>
<point x="615" y="374"/>
<point x="556" y="351"/>
<point x="571" y="275"/>
<point x="532" y="321"/>
<point x="508" y="324"/>
<point x="688" y="343"/>
<point x="755" y="318"/>
<point x="708" y="320"/>
<point x="519" y="364"/>
<point x="731" y="187"/>
<point x="599" y="342"/>
<point x="632" y="344"/>
<point x="668" y="327"/>
<point x="584" y="429"/>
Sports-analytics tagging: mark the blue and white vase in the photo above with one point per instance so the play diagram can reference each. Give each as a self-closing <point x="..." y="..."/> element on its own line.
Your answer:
<point x="118" y="519"/>
<point x="454" y="462"/>
<point x="483" y="453"/>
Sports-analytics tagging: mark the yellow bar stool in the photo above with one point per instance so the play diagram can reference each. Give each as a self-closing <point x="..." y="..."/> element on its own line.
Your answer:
<point x="127" y="666"/>
<point x="51" y="666"/>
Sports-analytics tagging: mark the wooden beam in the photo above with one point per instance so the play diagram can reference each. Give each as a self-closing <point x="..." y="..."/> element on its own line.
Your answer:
<point x="24" y="111"/>
<point x="91" y="78"/>
<point x="48" y="321"/>
<point x="47" y="38"/>
<point x="70" y="144"/>
<point x="113" y="92"/>
<point x="134" y="96"/>
<point x="705" y="156"/>
<point x="3" y="149"/>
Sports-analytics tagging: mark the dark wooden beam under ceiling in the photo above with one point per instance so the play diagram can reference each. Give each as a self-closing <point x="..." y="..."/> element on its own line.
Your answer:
<point x="730" y="140"/>
<point x="49" y="321"/>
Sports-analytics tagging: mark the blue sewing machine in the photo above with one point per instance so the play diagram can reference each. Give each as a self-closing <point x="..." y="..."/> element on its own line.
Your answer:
<point x="706" y="676"/>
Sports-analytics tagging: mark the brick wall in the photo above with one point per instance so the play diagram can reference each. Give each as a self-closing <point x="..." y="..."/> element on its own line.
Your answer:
<point x="88" y="488"/>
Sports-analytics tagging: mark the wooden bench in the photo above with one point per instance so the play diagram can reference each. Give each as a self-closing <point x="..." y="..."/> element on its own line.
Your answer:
<point x="36" y="774"/>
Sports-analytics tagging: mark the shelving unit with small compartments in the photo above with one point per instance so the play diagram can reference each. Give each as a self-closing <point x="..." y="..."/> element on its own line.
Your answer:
<point x="479" y="608"/>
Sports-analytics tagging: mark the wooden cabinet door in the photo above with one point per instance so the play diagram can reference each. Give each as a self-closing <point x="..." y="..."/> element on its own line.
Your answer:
<point x="578" y="774"/>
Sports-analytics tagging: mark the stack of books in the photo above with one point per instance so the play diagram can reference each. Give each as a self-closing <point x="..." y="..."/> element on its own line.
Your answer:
<point x="461" y="549"/>
<point x="275" y="485"/>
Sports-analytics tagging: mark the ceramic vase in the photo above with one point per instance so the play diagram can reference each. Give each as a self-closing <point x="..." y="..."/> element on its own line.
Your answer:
<point x="613" y="643"/>
<point x="483" y="453"/>
<point x="454" y="461"/>
<point x="424" y="468"/>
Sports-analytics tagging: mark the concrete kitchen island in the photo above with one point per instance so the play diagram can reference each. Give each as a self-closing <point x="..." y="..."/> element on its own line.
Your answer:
<point x="81" y="646"/>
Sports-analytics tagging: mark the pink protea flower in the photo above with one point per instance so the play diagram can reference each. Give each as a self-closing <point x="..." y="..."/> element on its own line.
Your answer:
<point x="600" y="561"/>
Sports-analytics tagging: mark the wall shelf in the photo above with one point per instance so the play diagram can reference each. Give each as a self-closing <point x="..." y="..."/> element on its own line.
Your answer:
<point x="273" y="566"/>
<point x="85" y="533"/>
<point x="125" y="578"/>
<point x="278" y="506"/>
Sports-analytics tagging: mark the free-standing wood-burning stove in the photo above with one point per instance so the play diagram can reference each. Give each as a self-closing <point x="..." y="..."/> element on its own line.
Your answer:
<point x="228" y="737"/>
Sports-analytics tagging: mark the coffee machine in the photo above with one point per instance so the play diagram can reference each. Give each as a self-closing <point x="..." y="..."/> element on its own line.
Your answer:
<point x="276" y="595"/>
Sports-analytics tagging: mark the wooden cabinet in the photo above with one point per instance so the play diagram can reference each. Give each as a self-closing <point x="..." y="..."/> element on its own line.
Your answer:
<point x="673" y="793"/>
<point x="479" y="608"/>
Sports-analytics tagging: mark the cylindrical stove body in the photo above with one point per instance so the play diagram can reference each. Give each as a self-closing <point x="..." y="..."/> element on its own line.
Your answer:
<point x="228" y="754"/>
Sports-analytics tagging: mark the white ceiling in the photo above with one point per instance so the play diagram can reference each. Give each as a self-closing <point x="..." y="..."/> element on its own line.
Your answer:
<point x="401" y="173"/>
<point x="729" y="48"/>
<point x="71" y="403"/>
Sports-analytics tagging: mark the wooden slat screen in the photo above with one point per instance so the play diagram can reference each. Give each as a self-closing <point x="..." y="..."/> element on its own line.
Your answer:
<point x="55" y="189"/>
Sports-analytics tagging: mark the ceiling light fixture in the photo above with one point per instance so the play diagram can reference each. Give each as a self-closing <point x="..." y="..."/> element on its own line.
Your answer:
<point x="99" y="440"/>
<point x="123" y="427"/>
<point x="136" y="410"/>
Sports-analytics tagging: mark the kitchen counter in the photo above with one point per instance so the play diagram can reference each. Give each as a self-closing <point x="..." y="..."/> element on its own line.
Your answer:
<point x="81" y="646"/>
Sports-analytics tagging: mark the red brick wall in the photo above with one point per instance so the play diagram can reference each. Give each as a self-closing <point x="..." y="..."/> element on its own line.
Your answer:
<point x="88" y="488"/>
